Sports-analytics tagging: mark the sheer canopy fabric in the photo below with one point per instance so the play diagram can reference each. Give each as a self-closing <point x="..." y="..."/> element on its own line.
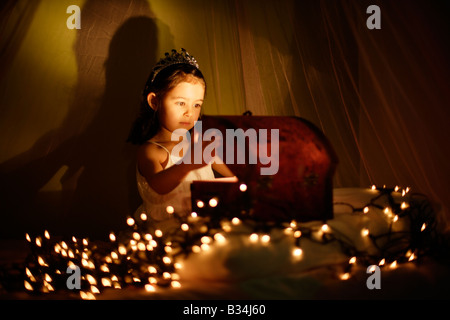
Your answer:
<point x="68" y="96"/>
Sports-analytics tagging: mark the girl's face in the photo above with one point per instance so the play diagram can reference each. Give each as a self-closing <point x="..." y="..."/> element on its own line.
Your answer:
<point x="180" y="107"/>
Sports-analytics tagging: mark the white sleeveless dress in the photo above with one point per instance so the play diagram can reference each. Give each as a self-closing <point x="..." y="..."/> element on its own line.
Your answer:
<point x="155" y="205"/>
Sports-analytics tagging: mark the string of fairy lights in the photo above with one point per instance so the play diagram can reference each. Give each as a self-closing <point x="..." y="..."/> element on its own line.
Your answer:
<point x="145" y="257"/>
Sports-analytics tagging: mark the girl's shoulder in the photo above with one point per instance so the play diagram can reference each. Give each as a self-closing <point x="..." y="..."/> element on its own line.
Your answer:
<point x="152" y="151"/>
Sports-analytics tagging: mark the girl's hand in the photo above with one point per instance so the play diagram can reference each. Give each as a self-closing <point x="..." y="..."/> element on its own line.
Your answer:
<point x="195" y="155"/>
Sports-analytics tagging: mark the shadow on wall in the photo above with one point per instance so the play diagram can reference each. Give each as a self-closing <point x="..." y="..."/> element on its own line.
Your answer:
<point x="88" y="154"/>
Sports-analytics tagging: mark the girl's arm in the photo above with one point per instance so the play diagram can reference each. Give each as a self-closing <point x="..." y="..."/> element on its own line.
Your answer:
<point x="150" y="160"/>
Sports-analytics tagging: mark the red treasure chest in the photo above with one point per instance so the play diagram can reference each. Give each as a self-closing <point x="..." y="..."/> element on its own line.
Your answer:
<point x="284" y="165"/>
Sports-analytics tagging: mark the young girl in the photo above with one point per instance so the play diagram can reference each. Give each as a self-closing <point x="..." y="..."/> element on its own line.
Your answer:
<point x="172" y="99"/>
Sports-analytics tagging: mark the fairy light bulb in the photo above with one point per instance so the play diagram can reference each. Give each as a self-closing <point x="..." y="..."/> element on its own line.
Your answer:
<point x="48" y="287"/>
<point x="136" y="279"/>
<point x="94" y="289"/>
<point x="167" y="260"/>
<point x="213" y="202"/>
<point x="325" y="228"/>
<point x="168" y="249"/>
<point x="41" y="261"/>
<point x="27" y="285"/>
<point x="352" y="260"/>
<point x="87" y="295"/>
<point x="178" y="265"/>
<point x="219" y="238"/>
<point x="106" y="282"/>
<point x="149" y="288"/>
<point x="200" y="204"/>
<point x="364" y="232"/>
<point x="158" y="233"/>
<point x="47" y="234"/>
<point x="175" y="276"/>
<point x="366" y="209"/>
<point x="345" y="276"/>
<point x="148" y="237"/>
<point x="206" y="239"/>
<point x="136" y="236"/>
<point x="226" y="227"/>
<point x="185" y="227"/>
<point x="175" y="284"/>
<point x="253" y="238"/>
<point x="130" y="221"/>
<point x="235" y="221"/>
<point x="297" y="252"/>
<point x="265" y="239"/>
<point x="122" y="250"/>
<point x="243" y="187"/>
<point x="143" y="216"/>
<point x="170" y="209"/>
<point x="91" y="279"/>
<point x="104" y="268"/>
<point x="30" y="275"/>
<point x="112" y="237"/>
<point x="424" y="225"/>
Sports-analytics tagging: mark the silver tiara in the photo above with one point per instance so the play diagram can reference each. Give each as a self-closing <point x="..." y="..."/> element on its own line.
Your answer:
<point x="174" y="58"/>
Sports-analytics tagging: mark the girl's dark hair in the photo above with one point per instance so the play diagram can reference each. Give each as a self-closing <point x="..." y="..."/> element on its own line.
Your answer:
<point x="147" y="124"/>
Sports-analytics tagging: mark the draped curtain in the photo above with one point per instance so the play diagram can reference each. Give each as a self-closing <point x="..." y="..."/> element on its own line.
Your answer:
<point x="69" y="96"/>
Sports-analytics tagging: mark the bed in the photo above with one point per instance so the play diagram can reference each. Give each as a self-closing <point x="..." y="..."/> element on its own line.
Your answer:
<point x="347" y="243"/>
<point x="336" y="260"/>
